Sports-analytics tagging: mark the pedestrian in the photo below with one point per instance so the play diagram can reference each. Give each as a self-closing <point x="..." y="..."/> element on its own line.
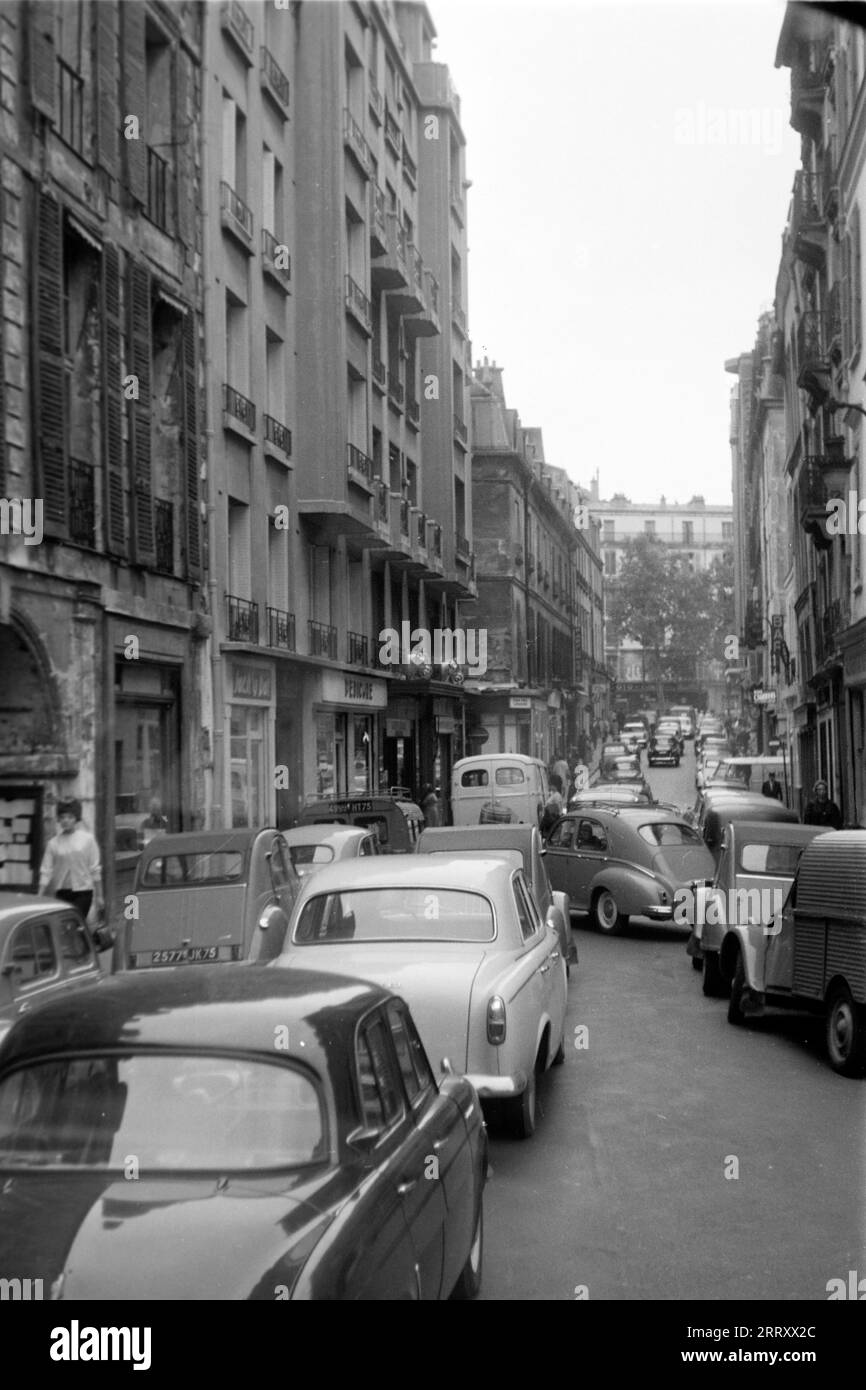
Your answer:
<point x="553" y="807"/>
<point x="771" y="786"/>
<point x="563" y="772"/>
<point x="821" y="810"/>
<point x="430" y="806"/>
<point x="153" y="824"/>
<point x="71" y="868"/>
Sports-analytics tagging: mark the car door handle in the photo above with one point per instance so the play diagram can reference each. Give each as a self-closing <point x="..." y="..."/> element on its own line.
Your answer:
<point x="406" y="1186"/>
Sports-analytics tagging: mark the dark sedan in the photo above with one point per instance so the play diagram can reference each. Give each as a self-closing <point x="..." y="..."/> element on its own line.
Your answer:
<point x="236" y="1132"/>
<point x="664" y="748"/>
<point x="45" y="949"/>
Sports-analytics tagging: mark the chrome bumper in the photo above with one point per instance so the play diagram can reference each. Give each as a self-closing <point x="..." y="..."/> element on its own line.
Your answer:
<point x="660" y="912"/>
<point x="495" y="1087"/>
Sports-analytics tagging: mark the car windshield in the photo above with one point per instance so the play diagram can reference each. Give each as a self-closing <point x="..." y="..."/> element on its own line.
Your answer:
<point x="220" y="866"/>
<point x="395" y="914"/>
<point x="668" y="833"/>
<point x="168" y="1113"/>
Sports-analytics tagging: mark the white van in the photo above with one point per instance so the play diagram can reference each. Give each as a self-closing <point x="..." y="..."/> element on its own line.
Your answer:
<point x="493" y="788"/>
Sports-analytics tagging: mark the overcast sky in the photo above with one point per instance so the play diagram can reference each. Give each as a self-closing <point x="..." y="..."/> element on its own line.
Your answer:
<point x="631" y="168"/>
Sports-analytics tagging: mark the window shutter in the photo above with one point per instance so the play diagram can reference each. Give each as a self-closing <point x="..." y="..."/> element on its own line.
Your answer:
<point x="49" y="424"/>
<point x="142" y="489"/>
<point x="106" y="77"/>
<point x="856" y="273"/>
<point x="191" y="447"/>
<point x="42" y="57"/>
<point x="135" y="96"/>
<point x="3" y="467"/>
<point x="112" y="387"/>
<point x="184" y="149"/>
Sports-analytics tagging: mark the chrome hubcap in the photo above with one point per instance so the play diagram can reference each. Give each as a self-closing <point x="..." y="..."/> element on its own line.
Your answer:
<point x="842" y="1029"/>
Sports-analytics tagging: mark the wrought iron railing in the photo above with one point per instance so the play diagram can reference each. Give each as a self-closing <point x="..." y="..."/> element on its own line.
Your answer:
<point x="281" y="629"/>
<point x="82" y="503"/>
<point x="357" y="301"/>
<point x="404" y="516"/>
<point x="392" y="130"/>
<point x="274" y="76"/>
<point x="462" y="545"/>
<point x="357" y="649"/>
<point x="322" y="639"/>
<point x="243" y="616"/>
<point x="276" y="254"/>
<point x="413" y="411"/>
<point x="239" y="24"/>
<point x="239" y="407"/>
<point x="278" y="435"/>
<point x="395" y="388"/>
<point x="356" y="139"/>
<point x="375" y="98"/>
<point x="359" y="464"/>
<point x="382" y="500"/>
<point x="458" y="316"/>
<point x="460" y="429"/>
<point x="232" y="203"/>
<point x="380" y="373"/>
<point x="421" y="530"/>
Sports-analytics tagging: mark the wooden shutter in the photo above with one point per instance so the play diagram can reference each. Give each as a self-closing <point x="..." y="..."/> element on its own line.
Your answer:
<point x="135" y="96"/>
<point x="42" y="58"/>
<point x="49" y="397"/>
<point x="191" y="446"/>
<point x="106" y="79"/>
<point x="183" y="138"/>
<point x="112" y="398"/>
<point x="142" y="487"/>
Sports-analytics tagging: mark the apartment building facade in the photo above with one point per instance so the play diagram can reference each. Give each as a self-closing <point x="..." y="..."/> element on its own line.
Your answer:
<point x="699" y="533"/>
<point x="103" y="618"/>
<point x="540" y="598"/>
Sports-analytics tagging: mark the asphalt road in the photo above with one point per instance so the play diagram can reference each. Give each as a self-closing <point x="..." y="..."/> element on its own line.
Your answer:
<point x="677" y="1157"/>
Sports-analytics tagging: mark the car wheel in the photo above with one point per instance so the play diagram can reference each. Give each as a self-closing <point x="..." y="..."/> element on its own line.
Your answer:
<point x="846" y="1033"/>
<point x="606" y="915"/>
<point x="521" y="1110"/>
<point x="714" y="986"/>
<point x="469" y="1283"/>
<point x="738" y="984"/>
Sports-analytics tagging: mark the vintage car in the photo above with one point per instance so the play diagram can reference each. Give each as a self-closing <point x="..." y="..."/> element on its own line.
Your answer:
<point x="717" y="805"/>
<point x="311" y="846"/>
<point x="462" y="940"/>
<point x="236" y="1132"/>
<point x="626" y="770"/>
<point x="664" y="748"/>
<point x="499" y="788"/>
<point x="526" y="839"/>
<point x="669" y="725"/>
<point x="609" y="754"/>
<point x="45" y="949"/>
<point x="635" y="732"/>
<point x="812" y="955"/>
<point x="396" y="821"/>
<point x="210" y="895"/>
<point x="616" y="864"/>
<point x="755" y="871"/>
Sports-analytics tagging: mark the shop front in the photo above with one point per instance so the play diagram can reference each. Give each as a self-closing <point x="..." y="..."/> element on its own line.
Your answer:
<point x="249" y="774"/>
<point x="342" y="755"/>
<point x="853" y="645"/>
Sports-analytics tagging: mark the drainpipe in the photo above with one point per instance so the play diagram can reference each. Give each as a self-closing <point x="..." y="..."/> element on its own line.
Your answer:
<point x="218" y="793"/>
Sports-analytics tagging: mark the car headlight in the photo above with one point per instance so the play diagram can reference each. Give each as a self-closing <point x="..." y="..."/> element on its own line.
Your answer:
<point x="496" y="1024"/>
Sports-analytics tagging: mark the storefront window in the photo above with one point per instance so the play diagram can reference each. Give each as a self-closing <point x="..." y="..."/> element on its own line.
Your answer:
<point x="362" y="753"/>
<point x="146" y="761"/>
<point x="247" y="766"/>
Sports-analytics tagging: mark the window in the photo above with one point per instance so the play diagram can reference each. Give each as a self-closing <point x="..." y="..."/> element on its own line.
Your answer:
<point x="223" y="866"/>
<point x="591" y="836"/>
<point x="74" y="942"/>
<point x="395" y="914"/>
<point x="774" y="860"/>
<point x="688" y="532"/>
<point x="608" y="528"/>
<point x="526" y="914"/>
<point x="380" y="1098"/>
<point x="31" y="951"/>
<point x="414" y="1067"/>
<point x="477" y="778"/>
<point x="649" y="527"/>
<point x="562" y="835"/>
<point x="669" y="834"/>
<point x="509" y="776"/>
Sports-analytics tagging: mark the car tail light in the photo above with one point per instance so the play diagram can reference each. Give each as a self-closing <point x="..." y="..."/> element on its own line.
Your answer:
<point x="496" y="1020"/>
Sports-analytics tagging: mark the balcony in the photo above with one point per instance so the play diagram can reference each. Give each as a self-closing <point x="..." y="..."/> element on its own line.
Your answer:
<point x="281" y="629"/>
<point x="830" y="184"/>
<point x="405" y="508"/>
<point x="461" y="548"/>
<point x="359" y="467"/>
<point x="358" y="305"/>
<point x="239" y="28"/>
<point x="378" y="223"/>
<point x="461" y="431"/>
<point x="163" y="530"/>
<point x="458" y="317"/>
<point x="425" y="324"/>
<point x="410" y="168"/>
<point x="322" y="639"/>
<point x="393" y="134"/>
<point x="353" y="139"/>
<point x="82" y="504"/>
<point x="420" y="529"/>
<point x="239" y="414"/>
<point x="236" y="217"/>
<point x="375" y="100"/>
<point x="357" y="649"/>
<point x="807" y="99"/>
<point x="379" y="374"/>
<point x="808" y="230"/>
<point x="276" y="261"/>
<point x="530" y="563"/>
<point x="381" y="504"/>
<point x="813" y="364"/>
<point x="396" y="394"/>
<point x="390" y="270"/>
<point x="157" y="189"/>
<point x="834" y="323"/>
<point x="409" y="299"/>
<point x="278" y="436"/>
<point x="458" y="206"/>
<point x="243" y="620"/>
<point x="274" y="81"/>
<point x="434" y="544"/>
<point x="413" y="413"/>
<point x="812" y="501"/>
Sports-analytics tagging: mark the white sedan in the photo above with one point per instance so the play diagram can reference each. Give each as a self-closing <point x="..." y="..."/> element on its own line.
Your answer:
<point x="312" y="846"/>
<point x="462" y="941"/>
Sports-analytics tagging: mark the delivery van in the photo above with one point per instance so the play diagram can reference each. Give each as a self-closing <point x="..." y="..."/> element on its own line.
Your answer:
<point x="497" y="788"/>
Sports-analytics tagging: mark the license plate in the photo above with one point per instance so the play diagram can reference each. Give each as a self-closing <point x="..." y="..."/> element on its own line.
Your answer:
<point x="184" y="953"/>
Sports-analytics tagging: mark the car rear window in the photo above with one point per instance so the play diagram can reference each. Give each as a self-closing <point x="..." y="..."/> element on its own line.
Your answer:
<point x="311" y="854"/>
<point x="509" y="776"/>
<point x="668" y="833"/>
<point x="769" y="859"/>
<point x="476" y="778"/>
<point x="219" y="866"/>
<point x="171" y="1113"/>
<point x="395" y="914"/>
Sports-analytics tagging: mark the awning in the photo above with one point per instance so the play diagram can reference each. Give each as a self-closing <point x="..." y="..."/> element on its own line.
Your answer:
<point x="80" y="230"/>
<point x="176" y="304"/>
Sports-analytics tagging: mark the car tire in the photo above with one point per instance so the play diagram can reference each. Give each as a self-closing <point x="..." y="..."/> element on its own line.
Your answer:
<point x="846" y="1033"/>
<point x="559" y="1056"/>
<point x="469" y="1283"/>
<point x="521" y="1110"/>
<point x="738" y="984"/>
<point x="606" y="916"/>
<point x="714" y="985"/>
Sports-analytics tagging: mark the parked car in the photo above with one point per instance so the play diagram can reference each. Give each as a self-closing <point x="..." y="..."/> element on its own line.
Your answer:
<point x="397" y="821"/>
<point x="674" y="727"/>
<point x="627" y="770"/>
<point x="636" y="730"/>
<point x="756" y="868"/>
<point x="608" y="756"/>
<point x="263" y="1170"/>
<point x="311" y="846"/>
<point x="210" y="895"/>
<point x="45" y="949"/>
<point x="664" y="748"/>
<point x="717" y="806"/>
<point x="687" y="717"/>
<point x="526" y="840"/>
<point x="462" y="940"/>
<point x="498" y="788"/>
<point x="612" y="794"/>
<point x="813" y="955"/>
<point x="615" y="864"/>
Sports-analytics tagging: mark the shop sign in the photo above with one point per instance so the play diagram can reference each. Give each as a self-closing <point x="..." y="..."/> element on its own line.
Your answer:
<point x="250" y="682"/>
<point x="398" y="728"/>
<point x="339" y="689"/>
<point x="764" y="697"/>
<point x="520" y="702"/>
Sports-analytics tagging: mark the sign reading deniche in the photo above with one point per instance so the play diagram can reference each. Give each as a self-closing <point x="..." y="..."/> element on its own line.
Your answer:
<point x="340" y="689"/>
